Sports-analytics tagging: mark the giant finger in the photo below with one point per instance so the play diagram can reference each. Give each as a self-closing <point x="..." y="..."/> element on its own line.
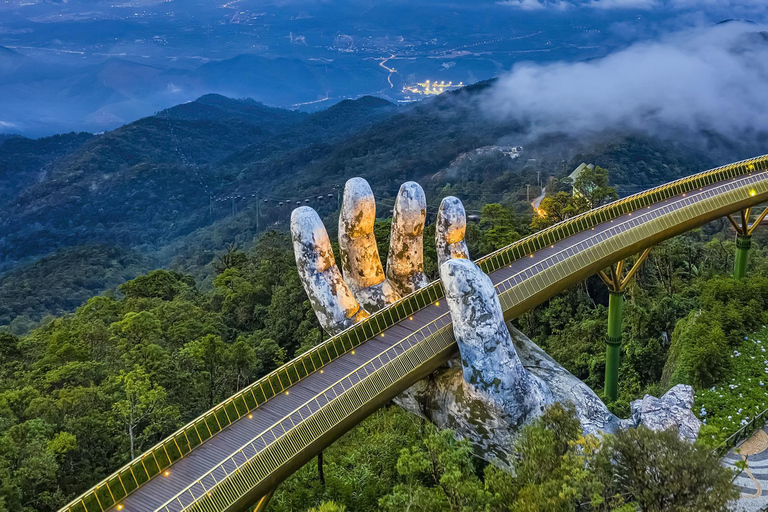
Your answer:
<point x="333" y="302"/>
<point x="450" y="230"/>
<point x="359" y="255"/>
<point x="488" y="357"/>
<point x="405" y="261"/>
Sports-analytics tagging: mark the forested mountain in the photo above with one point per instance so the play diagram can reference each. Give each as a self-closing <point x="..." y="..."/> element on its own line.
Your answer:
<point x="24" y="162"/>
<point x="161" y="248"/>
<point x="60" y="282"/>
<point x="149" y="182"/>
<point x="182" y="184"/>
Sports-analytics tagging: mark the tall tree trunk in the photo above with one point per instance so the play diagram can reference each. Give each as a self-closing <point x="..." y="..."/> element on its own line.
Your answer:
<point x="130" y="436"/>
<point x="320" y="473"/>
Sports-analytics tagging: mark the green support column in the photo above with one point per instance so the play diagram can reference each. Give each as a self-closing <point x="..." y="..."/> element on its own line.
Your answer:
<point x="743" y="243"/>
<point x="617" y="282"/>
<point x="613" y="347"/>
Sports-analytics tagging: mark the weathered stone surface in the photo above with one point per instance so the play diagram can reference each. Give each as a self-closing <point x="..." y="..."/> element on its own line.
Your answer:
<point x="478" y="394"/>
<point x="405" y="261"/>
<point x="564" y="386"/>
<point x="332" y="300"/>
<point x="673" y="410"/>
<point x="446" y="400"/>
<point x="359" y="254"/>
<point x="502" y="380"/>
<point x="489" y="361"/>
<point x="450" y="229"/>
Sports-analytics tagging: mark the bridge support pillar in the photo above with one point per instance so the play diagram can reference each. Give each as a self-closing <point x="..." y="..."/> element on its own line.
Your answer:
<point x="613" y="345"/>
<point x="744" y="229"/>
<point x="617" y="282"/>
<point x="743" y="243"/>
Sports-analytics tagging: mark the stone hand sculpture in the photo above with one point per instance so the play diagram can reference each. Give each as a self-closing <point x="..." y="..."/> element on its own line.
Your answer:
<point x="501" y="380"/>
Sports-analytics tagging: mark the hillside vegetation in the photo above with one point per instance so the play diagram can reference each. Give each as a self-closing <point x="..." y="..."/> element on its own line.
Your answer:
<point x="87" y="391"/>
<point x="61" y="282"/>
<point x="179" y="186"/>
<point x="127" y="354"/>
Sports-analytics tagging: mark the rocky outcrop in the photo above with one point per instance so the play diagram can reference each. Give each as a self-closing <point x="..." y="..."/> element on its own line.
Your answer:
<point x="673" y="410"/>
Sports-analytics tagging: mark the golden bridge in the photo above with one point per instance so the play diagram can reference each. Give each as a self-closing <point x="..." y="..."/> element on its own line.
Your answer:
<point x="236" y="454"/>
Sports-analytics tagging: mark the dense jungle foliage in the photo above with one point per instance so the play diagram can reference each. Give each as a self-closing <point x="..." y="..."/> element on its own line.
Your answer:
<point x="85" y="218"/>
<point x="62" y="281"/>
<point x="81" y="394"/>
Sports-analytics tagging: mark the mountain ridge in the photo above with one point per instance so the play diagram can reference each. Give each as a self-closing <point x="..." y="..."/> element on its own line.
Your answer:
<point x="179" y="185"/>
<point x="119" y="177"/>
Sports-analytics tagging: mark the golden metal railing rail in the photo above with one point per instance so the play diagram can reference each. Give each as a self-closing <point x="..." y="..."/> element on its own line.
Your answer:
<point x="323" y="400"/>
<point x="584" y="257"/>
<point x="131" y="476"/>
<point x="612" y="210"/>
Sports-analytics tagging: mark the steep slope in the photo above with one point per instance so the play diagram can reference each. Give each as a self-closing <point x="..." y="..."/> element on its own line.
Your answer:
<point x="154" y="180"/>
<point x="319" y="130"/>
<point x="59" y="283"/>
<point x="23" y="162"/>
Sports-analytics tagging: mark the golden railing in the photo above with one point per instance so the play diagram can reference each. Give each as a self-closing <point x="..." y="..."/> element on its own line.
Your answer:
<point x="610" y="211"/>
<point x="311" y="420"/>
<point x="127" y="479"/>
<point x="638" y="230"/>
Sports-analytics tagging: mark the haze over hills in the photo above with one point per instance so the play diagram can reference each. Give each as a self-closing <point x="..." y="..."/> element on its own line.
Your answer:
<point x="167" y="170"/>
<point x="175" y="188"/>
<point x="179" y="185"/>
<point x="94" y="65"/>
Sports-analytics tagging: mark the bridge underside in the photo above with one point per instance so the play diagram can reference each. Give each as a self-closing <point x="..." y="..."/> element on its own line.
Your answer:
<point x="410" y="339"/>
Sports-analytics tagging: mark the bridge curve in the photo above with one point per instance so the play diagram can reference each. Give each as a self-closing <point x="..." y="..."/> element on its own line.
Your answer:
<point x="242" y="449"/>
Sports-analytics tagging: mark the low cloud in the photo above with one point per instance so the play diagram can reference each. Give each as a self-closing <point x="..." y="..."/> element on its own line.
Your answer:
<point x="719" y="5"/>
<point x="711" y="79"/>
<point x="532" y="5"/>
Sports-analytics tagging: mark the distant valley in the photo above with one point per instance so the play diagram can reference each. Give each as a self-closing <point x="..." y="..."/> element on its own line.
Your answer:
<point x="96" y="65"/>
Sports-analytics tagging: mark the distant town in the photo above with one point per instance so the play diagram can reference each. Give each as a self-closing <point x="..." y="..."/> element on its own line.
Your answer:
<point x="430" y="88"/>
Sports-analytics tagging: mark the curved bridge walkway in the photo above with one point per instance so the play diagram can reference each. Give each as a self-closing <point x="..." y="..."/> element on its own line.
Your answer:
<point x="245" y="460"/>
<point x="752" y="483"/>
